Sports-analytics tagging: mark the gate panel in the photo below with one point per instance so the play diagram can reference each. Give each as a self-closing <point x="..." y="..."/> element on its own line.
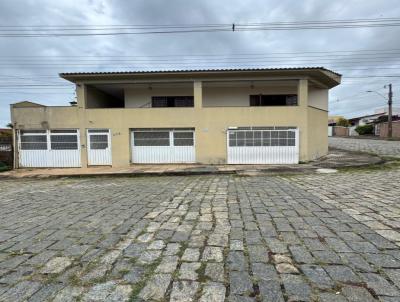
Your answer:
<point x="163" y="146"/>
<point x="268" y="146"/>
<point x="99" y="147"/>
<point x="49" y="149"/>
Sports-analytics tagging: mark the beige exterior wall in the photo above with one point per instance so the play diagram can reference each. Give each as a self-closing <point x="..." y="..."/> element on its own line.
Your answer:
<point x="317" y="133"/>
<point x="211" y="123"/>
<point x="318" y="98"/>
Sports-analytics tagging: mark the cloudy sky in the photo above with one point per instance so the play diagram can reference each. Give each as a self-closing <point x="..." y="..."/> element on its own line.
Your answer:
<point x="368" y="58"/>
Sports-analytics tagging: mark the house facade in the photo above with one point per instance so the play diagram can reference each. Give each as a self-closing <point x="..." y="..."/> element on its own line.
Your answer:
<point x="234" y="116"/>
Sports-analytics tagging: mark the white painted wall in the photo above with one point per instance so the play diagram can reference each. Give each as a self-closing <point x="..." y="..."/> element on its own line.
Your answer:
<point x="221" y="96"/>
<point x="318" y="98"/>
<point x="238" y="96"/>
<point x="142" y="96"/>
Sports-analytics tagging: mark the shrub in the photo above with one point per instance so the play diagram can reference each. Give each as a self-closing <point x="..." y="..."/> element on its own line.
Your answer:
<point x="365" y="129"/>
<point x="4" y="167"/>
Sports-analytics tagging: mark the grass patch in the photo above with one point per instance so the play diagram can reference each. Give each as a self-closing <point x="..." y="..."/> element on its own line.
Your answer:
<point x="137" y="287"/>
<point x="201" y="273"/>
<point x="389" y="165"/>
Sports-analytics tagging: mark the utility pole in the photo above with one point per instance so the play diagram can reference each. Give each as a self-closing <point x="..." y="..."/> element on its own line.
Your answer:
<point x="390" y="111"/>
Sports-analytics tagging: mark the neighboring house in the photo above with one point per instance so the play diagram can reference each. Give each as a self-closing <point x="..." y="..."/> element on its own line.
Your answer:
<point x="373" y="118"/>
<point x="333" y="119"/>
<point x="234" y="116"/>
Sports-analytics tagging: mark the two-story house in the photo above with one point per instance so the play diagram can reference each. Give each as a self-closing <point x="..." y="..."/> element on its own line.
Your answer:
<point x="233" y="116"/>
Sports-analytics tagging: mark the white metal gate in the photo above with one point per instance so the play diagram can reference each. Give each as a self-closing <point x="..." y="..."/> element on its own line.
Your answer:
<point x="263" y="145"/>
<point x="99" y="147"/>
<point x="49" y="148"/>
<point x="163" y="146"/>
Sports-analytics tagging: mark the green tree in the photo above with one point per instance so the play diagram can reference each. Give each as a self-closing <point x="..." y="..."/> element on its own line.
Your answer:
<point x="343" y="122"/>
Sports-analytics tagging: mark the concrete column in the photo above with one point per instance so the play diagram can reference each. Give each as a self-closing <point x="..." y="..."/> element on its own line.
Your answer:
<point x="198" y="94"/>
<point x="81" y="103"/>
<point x="302" y="93"/>
<point x="302" y="98"/>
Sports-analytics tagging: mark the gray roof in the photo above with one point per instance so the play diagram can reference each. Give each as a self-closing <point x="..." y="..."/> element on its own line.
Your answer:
<point x="196" y="70"/>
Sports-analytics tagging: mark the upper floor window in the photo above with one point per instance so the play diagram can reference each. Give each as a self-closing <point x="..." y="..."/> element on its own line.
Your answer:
<point x="172" y="101"/>
<point x="273" y="100"/>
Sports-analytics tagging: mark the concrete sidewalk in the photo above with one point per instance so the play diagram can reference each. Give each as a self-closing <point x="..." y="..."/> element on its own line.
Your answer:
<point x="335" y="159"/>
<point x="165" y="169"/>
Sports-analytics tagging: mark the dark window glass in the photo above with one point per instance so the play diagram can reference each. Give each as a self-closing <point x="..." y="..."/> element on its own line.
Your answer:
<point x="98" y="146"/>
<point x="64" y="142"/>
<point x="63" y="131"/>
<point x="273" y="100"/>
<point x="32" y="131"/>
<point x="172" y="101"/>
<point x="33" y="146"/>
<point x="151" y="138"/>
<point x="33" y="138"/>
<point x="99" y="141"/>
<point x="33" y="142"/>
<point x="98" y="131"/>
<point x="183" y="139"/>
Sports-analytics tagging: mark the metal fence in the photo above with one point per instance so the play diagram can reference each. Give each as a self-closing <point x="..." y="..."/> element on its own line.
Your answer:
<point x="6" y="150"/>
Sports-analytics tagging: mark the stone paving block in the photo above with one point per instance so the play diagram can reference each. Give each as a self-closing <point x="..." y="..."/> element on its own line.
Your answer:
<point x="318" y="276"/>
<point x="99" y="292"/>
<point x="357" y="262"/>
<point x="120" y="294"/>
<point x="21" y="291"/>
<point x="296" y="288"/>
<point x="357" y="294"/>
<point x="301" y="254"/>
<point x="134" y="275"/>
<point x="394" y="276"/>
<point x="184" y="291"/>
<point x="380" y="285"/>
<point x="56" y="265"/>
<point x="172" y="249"/>
<point x="331" y="297"/>
<point x="148" y="257"/>
<point x="215" y="271"/>
<point x="156" y="287"/>
<point x="240" y="283"/>
<point x="258" y="253"/>
<point x="188" y="270"/>
<point x="156" y="245"/>
<point x="236" y="261"/>
<point x="342" y="273"/>
<point x="213" y="292"/>
<point x="326" y="257"/>
<point x="212" y="253"/>
<point x="191" y="254"/>
<point x="382" y="260"/>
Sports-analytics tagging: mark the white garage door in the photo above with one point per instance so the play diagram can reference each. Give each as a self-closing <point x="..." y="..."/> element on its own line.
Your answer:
<point x="49" y="148"/>
<point x="263" y="145"/>
<point x="163" y="146"/>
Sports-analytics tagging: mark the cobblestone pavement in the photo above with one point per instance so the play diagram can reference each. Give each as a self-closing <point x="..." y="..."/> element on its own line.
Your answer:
<point x="201" y="238"/>
<point x="380" y="147"/>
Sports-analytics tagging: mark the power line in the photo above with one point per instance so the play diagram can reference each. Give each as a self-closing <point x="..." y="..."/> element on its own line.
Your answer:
<point x="366" y="51"/>
<point x="113" y="30"/>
